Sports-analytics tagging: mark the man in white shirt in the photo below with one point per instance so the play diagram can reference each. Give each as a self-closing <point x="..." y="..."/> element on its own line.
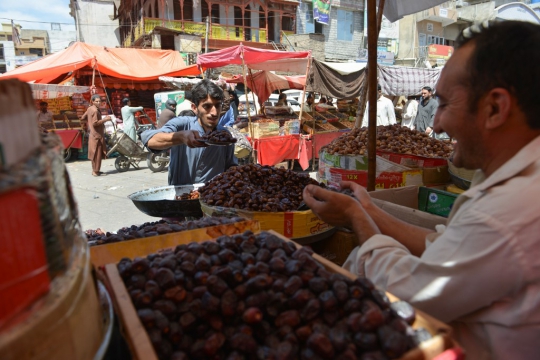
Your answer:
<point x="410" y="109"/>
<point x="386" y="114"/>
<point x="481" y="273"/>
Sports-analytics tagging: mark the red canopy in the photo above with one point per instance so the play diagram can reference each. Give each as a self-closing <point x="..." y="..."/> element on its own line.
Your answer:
<point x="123" y="63"/>
<point x="263" y="83"/>
<point x="251" y="55"/>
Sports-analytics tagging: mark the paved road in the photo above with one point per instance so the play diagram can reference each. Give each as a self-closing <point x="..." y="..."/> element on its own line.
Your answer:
<point x="103" y="201"/>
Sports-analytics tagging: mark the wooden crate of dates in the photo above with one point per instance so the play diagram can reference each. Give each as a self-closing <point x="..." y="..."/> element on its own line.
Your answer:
<point x="161" y="235"/>
<point x="310" y="128"/>
<point x="262" y="296"/>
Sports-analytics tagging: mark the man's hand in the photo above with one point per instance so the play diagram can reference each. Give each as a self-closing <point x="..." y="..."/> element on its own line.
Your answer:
<point x="191" y="139"/>
<point x="429" y="130"/>
<point x="341" y="210"/>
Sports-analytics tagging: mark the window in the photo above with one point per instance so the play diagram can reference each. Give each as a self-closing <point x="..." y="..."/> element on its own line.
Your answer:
<point x="38" y="52"/>
<point x="310" y="24"/>
<point x="344" y="25"/>
<point x="1" y="52"/>
<point x="437" y="40"/>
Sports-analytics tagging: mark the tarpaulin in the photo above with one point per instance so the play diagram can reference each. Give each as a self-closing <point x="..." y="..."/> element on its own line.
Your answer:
<point x="263" y="83"/>
<point x="406" y="81"/>
<point x="233" y="55"/>
<point x="297" y="66"/>
<point x="325" y="80"/>
<point x="122" y="63"/>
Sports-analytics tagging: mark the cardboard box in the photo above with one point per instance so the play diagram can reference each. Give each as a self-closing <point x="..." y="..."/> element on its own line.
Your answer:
<point x="141" y="347"/>
<point x="413" y="161"/>
<point x="336" y="248"/>
<point x="434" y="201"/>
<point x="437" y="175"/>
<point x="384" y="180"/>
<point x="114" y="252"/>
<point x="403" y="204"/>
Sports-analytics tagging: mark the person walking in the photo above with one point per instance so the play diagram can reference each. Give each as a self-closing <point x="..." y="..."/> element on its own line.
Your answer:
<point x="96" y="140"/>
<point x="426" y="111"/>
<point x="386" y="115"/>
<point x="128" y="117"/>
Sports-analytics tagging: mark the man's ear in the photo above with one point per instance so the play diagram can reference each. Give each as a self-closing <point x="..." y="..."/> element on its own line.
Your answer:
<point x="194" y="108"/>
<point x="496" y="106"/>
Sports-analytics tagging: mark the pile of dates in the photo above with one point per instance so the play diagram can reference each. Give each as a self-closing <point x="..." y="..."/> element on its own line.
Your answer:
<point x="256" y="188"/>
<point x="192" y="195"/>
<point x="98" y="237"/>
<point x="219" y="136"/>
<point x="258" y="297"/>
<point x="391" y="138"/>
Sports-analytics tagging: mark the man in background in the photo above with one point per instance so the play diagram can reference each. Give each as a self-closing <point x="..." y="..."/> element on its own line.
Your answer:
<point x="426" y="111"/>
<point x="128" y="118"/>
<point x="168" y="113"/>
<point x="43" y="114"/>
<point x="386" y="114"/>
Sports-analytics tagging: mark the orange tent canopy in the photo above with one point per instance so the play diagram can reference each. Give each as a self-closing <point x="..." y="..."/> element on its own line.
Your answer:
<point x="122" y="63"/>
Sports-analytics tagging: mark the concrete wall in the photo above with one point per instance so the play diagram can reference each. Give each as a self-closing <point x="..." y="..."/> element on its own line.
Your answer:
<point x="313" y="42"/>
<point x="408" y="42"/>
<point x="60" y="39"/>
<point x="95" y="24"/>
<point x="335" y="49"/>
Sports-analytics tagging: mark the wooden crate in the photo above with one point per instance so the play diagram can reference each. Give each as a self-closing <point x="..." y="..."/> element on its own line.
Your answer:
<point x="141" y="347"/>
<point x="114" y="252"/>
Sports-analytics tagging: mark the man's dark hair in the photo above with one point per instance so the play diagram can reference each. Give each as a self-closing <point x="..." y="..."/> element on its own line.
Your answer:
<point x="204" y="88"/>
<point x="186" y="113"/>
<point x="188" y="95"/>
<point x="41" y="103"/>
<point x="125" y="101"/>
<point x="428" y="88"/>
<point x="310" y="95"/>
<point x="282" y="96"/>
<point x="379" y="88"/>
<point x="506" y="55"/>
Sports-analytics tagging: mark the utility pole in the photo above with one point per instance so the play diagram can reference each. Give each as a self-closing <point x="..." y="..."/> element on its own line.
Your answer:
<point x="207" y="33"/>
<point x="206" y="42"/>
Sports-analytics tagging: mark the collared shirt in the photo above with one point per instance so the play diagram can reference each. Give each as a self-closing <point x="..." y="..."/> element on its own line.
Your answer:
<point x="482" y="274"/>
<point x="386" y="114"/>
<point x="193" y="165"/>
<point x="44" y="116"/>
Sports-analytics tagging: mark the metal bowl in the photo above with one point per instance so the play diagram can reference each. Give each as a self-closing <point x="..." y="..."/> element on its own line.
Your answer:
<point x="160" y="201"/>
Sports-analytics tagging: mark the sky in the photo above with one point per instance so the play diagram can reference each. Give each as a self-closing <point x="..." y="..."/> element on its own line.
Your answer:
<point x="37" y="14"/>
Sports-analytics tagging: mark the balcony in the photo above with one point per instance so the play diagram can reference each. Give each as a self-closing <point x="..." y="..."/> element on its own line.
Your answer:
<point x="219" y="35"/>
<point x="445" y="14"/>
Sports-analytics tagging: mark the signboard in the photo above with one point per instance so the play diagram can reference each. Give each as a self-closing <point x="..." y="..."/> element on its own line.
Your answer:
<point x="321" y="11"/>
<point x="383" y="57"/>
<point x="440" y="51"/>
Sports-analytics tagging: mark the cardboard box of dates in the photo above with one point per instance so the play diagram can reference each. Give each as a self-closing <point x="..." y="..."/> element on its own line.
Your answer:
<point x="115" y="247"/>
<point x="267" y="194"/>
<point x="263" y="296"/>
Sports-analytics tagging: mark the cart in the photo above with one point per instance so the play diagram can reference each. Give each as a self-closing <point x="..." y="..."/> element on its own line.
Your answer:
<point x="131" y="153"/>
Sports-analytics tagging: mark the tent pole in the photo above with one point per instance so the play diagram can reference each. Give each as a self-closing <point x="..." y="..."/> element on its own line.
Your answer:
<point x="250" y="124"/>
<point x="301" y="112"/>
<point x="374" y="20"/>
<point x="253" y="89"/>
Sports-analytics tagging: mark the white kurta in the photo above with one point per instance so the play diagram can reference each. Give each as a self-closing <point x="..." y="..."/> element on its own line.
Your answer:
<point x="482" y="274"/>
<point x="409" y="114"/>
<point x="386" y="114"/>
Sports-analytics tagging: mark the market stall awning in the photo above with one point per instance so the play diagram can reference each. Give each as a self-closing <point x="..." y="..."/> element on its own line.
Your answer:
<point x="297" y="66"/>
<point x="407" y="81"/>
<point x="264" y="83"/>
<point x="343" y="83"/>
<point x="233" y="55"/>
<point x="122" y="63"/>
<point x="47" y="91"/>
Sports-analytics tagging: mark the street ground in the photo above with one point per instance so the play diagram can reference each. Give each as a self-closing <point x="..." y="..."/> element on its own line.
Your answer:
<point x="103" y="201"/>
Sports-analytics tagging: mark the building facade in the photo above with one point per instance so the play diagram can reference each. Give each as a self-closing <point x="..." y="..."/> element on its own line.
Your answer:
<point x="219" y="23"/>
<point x="95" y="23"/>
